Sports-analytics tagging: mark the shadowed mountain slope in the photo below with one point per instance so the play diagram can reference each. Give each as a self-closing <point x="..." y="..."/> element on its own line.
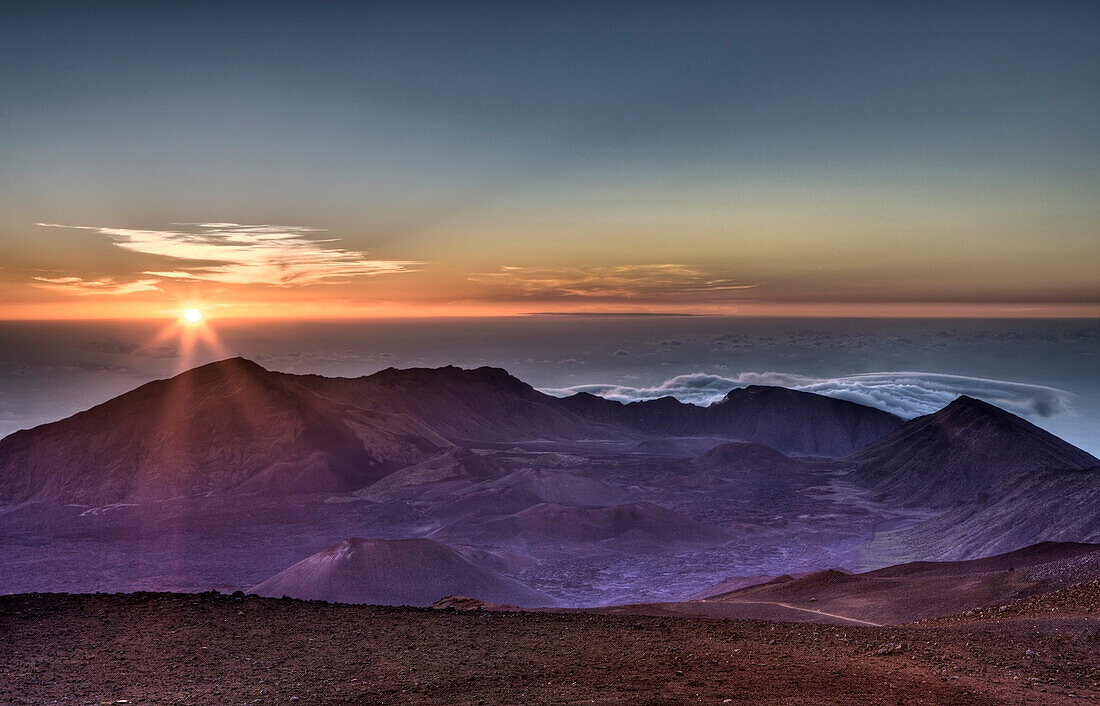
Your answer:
<point x="960" y="453"/>
<point x="414" y="572"/>
<point x="1035" y="506"/>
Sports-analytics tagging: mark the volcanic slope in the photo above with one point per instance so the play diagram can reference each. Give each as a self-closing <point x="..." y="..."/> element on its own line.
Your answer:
<point x="960" y="453"/>
<point x="1045" y="505"/>
<point x="415" y="572"/>
<point x="226" y="426"/>
<point x="913" y="591"/>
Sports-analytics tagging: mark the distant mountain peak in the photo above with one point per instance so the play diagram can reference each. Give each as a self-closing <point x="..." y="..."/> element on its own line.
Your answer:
<point x="497" y="377"/>
<point x="972" y="416"/>
<point x="760" y="389"/>
<point x="774" y="394"/>
<point x="960" y="452"/>
<point x="236" y="362"/>
<point x="965" y="403"/>
<point x="234" y="366"/>
<point x="666" y="401"/>
<point x="754" y="391"/>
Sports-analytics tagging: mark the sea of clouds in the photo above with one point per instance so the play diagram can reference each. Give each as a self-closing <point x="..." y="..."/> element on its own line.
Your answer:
<point x="906" y="394"/>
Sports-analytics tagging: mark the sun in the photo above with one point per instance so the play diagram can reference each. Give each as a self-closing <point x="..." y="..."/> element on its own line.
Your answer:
<point x="192" y="316"/>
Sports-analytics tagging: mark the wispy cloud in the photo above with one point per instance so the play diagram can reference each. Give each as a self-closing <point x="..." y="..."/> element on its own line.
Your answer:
<point x="614" y="282"/>
<point x="232" y="253"/>
<point x="83" y="287"/>
<point x="906" y="394"/>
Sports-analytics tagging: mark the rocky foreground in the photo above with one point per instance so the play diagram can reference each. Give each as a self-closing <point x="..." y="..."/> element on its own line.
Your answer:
<point x="150" y="648"/>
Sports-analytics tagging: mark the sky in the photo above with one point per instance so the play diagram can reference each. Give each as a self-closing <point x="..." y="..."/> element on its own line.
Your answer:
<point x="314" y="160"/>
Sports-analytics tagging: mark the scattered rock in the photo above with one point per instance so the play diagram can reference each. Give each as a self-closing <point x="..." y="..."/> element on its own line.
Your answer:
<point x="890" y="648"/>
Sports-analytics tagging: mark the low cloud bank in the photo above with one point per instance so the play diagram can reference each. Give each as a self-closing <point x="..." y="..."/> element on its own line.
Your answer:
<point x="906" y="394"/>
<point x="616" y="282"/>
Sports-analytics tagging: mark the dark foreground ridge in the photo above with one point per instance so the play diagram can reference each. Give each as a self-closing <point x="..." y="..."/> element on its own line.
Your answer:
<point x="156" y="648"/>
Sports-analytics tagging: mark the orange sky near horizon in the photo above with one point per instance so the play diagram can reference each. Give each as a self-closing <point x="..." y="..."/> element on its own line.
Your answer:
<point x="268" y="271"/>
<point x="215" y="313"/>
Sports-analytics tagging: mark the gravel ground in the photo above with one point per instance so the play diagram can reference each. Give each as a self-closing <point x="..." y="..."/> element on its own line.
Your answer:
<point x="156" y="648"/>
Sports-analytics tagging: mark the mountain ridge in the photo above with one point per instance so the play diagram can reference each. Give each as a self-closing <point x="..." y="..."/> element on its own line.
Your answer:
<point x="212" y="428"/>
<point x="233" y="426"/>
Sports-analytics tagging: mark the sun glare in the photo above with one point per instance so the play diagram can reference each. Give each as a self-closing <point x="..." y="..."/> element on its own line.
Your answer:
<point x="192" y="336"/>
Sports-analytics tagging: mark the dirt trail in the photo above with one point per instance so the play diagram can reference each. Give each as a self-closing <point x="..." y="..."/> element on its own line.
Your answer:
<point x="805" y="610"/>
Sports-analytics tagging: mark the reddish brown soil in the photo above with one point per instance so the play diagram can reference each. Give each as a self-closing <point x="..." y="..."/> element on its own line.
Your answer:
<point x="907" y="592"/>
<point x="211" y="648"/>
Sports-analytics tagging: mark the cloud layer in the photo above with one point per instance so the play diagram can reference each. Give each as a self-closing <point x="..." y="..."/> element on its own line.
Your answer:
<point x="615" y="282"/>
<point x="906" y="394"/>
<point x="83" y="287"/>
<point x="231" y="253"/>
